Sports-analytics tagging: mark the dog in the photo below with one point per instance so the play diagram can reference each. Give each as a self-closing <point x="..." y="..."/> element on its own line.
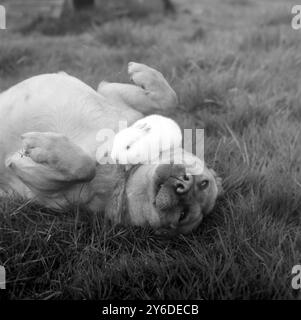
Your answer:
<point x="51" y="151"/>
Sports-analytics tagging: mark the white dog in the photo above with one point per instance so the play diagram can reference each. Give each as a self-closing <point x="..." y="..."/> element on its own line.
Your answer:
<point x="48" y="147"/>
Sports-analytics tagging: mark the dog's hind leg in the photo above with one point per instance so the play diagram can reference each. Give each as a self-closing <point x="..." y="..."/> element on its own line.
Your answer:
<point x="50" y="162"/>
<point x="128" y="95"/>
<point x="150" y="94"/>
<point x="154" y="84"/>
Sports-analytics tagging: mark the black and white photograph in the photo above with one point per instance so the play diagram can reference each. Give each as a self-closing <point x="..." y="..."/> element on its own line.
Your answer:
<point x="150" y="150"/>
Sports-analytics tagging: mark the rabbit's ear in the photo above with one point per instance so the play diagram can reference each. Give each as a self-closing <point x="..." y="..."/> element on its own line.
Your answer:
<point x="219" y="183"/>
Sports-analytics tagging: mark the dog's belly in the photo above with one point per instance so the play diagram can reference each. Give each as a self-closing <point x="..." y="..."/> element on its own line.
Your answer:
<point x="54" y="103"/>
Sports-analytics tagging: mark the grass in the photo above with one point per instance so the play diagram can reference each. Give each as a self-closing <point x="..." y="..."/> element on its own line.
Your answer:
<point x="125" y="34"/>
<point x="79" y="22"/>
<point x="238" y="77"/>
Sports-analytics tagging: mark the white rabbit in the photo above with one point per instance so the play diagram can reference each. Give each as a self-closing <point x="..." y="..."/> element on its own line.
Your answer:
<point x="145" y="140"/>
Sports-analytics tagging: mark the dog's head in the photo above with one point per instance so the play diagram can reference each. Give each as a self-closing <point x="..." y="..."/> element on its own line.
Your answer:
<point x="173" y="197"/>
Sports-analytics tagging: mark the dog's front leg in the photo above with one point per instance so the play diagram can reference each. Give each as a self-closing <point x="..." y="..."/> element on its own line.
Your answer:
<point x="50" y="162"/>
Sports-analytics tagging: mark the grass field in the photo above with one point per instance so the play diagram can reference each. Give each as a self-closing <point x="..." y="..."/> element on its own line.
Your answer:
<point x="236" y="66"/>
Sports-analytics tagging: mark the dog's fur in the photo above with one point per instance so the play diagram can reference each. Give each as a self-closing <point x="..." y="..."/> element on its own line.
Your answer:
<point x="48" y="147"/>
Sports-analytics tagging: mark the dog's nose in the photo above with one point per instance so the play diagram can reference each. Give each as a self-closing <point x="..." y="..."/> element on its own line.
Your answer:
<point x="183" y="183"/>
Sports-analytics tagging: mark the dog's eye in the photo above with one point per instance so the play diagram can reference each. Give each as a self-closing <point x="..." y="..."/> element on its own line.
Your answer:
<point x="127" y="147"/>
<point x="204" y="184"/>
<point x="183" y="215"/>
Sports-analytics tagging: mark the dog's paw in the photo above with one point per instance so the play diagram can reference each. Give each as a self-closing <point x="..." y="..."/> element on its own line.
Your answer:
<point x="145" y="77"/>
<point x="43" y="147"/>
<point x="145" y="140"/>
<point x="18" y="160"/>
<point x="154" y="84"/>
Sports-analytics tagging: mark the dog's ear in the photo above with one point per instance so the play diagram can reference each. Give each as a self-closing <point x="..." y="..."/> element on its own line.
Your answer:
<point x="219" y="183"/>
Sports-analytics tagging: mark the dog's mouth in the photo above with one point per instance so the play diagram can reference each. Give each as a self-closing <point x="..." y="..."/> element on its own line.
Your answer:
<point x="184" y="225"/>
<point x="174" y="201"/>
